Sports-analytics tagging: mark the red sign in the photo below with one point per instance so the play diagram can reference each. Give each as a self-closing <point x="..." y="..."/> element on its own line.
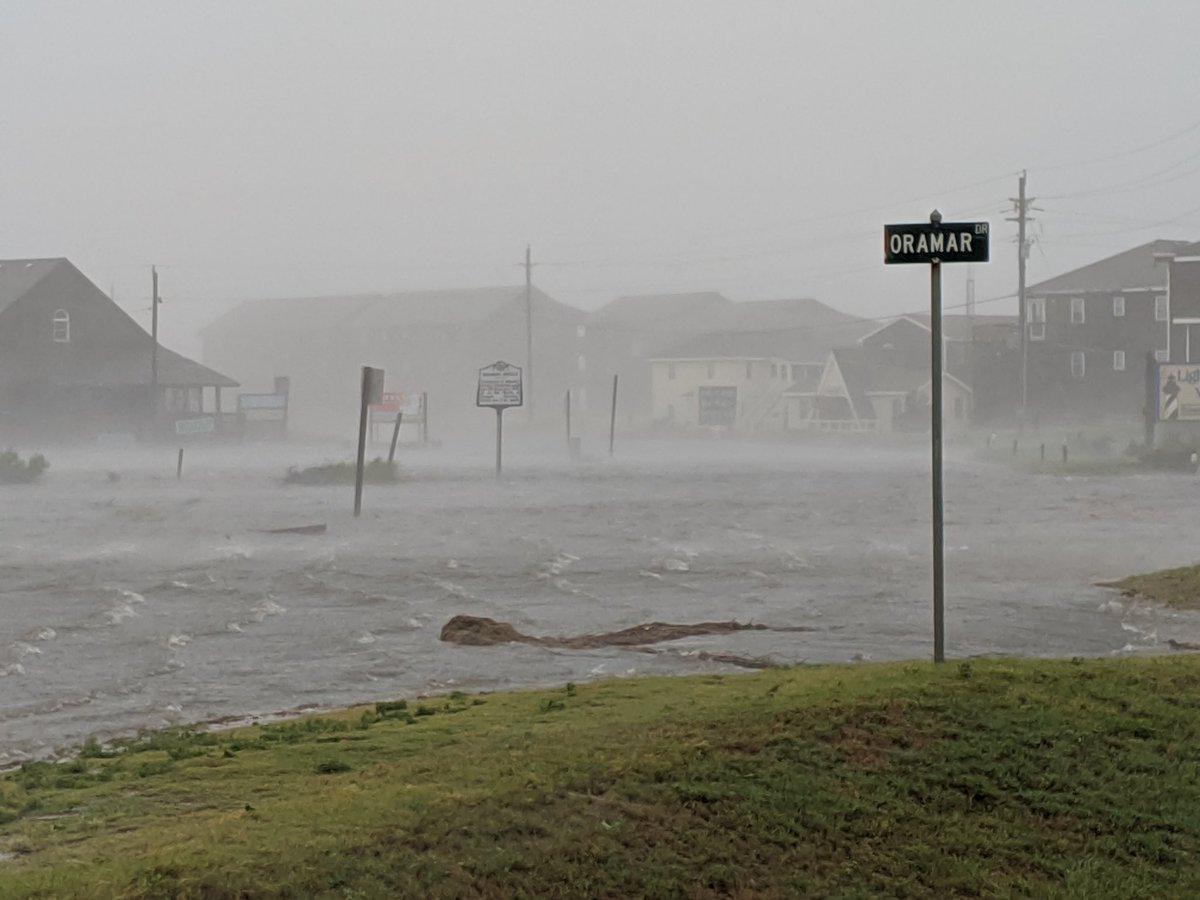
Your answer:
<point x="392" y="401"/>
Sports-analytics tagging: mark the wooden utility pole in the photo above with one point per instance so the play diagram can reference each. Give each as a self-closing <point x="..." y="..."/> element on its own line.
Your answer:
<point x="154" y="301"/>
<point x="529" y="331"/>
<point x="1021" y="205"/>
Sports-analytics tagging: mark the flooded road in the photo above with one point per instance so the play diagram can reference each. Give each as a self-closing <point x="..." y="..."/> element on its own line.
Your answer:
<point x="133" y="600"/>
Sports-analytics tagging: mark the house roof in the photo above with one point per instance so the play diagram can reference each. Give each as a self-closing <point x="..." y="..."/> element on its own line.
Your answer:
<point x="664" y="311"/>
<point x="961" y="327"/>
<point x="464" y="306"/>
<point x="1133" y="268"/>
<point x="17" y="276"/>
<point x="801" y="330"/>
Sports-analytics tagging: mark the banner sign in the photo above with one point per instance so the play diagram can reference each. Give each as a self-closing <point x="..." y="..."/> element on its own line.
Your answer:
<point x="1178" y="393"/>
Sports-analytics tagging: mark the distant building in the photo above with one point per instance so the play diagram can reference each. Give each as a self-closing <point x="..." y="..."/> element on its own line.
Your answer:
<point x="625" y="334"/>
<point x="1091" y="332"/>
<point x="74" y="364"/>
<point x="426" y="341"/>
<point x="860" y="391"/>
<point x="980" y="352"/>
<point x="736" y="378"/>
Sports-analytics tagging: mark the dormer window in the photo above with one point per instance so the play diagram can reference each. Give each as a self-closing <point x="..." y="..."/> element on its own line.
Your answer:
<point x="62" y="327"/>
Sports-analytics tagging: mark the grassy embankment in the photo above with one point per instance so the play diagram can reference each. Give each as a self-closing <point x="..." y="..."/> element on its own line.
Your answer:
<point x="984" y="778"/>
<point x="1178" y="588"/>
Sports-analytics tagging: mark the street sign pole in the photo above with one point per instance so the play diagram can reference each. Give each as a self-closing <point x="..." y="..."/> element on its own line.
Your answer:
<point x="499" y="440"/>
<point x="934" y="243"/>
<point x="935" y="431"/>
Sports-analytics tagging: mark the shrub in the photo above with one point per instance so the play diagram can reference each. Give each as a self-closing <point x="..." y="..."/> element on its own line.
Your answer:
<point x="377" y="471"/>
<point x="14" y="470"/>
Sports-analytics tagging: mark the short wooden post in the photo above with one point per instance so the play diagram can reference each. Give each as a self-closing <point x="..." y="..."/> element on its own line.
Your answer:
<point x="395" y="437"/>
<point x="179" y="465"/>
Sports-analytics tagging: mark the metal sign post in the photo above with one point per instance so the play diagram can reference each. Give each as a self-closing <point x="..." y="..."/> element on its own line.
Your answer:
<point x="372" y="393"/>
<point x="935" y="243"/>
<point x="500" y="387"/>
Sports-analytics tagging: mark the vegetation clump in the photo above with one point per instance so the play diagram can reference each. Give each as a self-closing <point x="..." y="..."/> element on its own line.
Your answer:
<point x="1178" y="588"/>
<point x="377" y="471"/>
<point x="14" y="470"/>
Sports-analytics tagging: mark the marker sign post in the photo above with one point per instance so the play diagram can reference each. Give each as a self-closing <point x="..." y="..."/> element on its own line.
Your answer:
<point x="934" y="243"/>
<point x="500" y="387"/>
<point x="372" y="394"/>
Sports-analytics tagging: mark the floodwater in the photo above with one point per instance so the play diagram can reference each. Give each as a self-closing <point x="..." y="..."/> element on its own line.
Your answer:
<point x="133" y="600"/>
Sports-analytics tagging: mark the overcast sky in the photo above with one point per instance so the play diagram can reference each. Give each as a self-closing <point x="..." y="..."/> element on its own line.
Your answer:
<point x="301" y="148"/>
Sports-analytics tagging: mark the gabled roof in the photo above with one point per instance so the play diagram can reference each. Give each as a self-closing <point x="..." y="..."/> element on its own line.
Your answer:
<point x="960" y="327"/>
<point x="467" y="306"/>
<point x="669" y="311"/>
<point x="801" y="330"/>
<point x="1134" y="268"/>
<point x="18" y="276"/>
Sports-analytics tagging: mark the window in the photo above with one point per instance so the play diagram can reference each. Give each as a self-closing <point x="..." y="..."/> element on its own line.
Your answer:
<point x="582" y="363"/>
<point x="1077" y="310"/>
<point x="580" y="331"/>
<point x="749" y="371"/>
<point x="1118" y="360"/>
<point x="1160" y="308"/>
<point x="62" y="327"/>
<point x="671" y="371"/>
<point x="1037" y="319"/>
<point x="1118" y="307"/>
<point x="1162" y="355"/>
<point x="1077" y="363"/>
<point x="712" y="370"/>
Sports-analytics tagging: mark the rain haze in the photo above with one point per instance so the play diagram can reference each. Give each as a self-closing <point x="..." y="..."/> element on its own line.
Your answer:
<point x="702" y="188"/>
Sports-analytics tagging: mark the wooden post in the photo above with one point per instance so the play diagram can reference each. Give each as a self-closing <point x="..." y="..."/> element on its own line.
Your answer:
<point x="567" y="404"/>
<point x="612" y="419"/>
<point x="1064" y="453"/>
<point x="372" y="392"/>
<point x="179" y="465"/>
<point x="1014" y="447"/>
<point x="395" y="437"/>
<point x="425" y="417"/>
<point x="1043" y="451"/>
<point x="499" y="439"/>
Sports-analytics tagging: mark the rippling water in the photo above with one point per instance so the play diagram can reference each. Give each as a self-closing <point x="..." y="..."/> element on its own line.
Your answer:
<point x="144" y="601"/>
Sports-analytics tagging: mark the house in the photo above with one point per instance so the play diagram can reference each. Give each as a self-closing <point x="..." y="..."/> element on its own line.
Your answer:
<point x="626" y="333"/>
<point x="979" y="351"/>
<point x="73" y="363"/>
<point x="736" y="377"/>
<point x="1090" y="332"/>
<point x="431" y="342"/>
<point x="857" y="391"/>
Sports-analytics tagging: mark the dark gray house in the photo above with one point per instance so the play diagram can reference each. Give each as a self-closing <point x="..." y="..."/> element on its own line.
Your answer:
<point x="74" y="364"/>
<point x="1091" y="332"/>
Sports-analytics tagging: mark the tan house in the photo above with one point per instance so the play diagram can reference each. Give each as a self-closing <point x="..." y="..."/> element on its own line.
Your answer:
<point x="736" y="379"/>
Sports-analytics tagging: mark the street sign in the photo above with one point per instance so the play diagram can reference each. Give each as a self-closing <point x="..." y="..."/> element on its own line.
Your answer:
<point x="499" y="386"/>
<point x="202" y="425"/>
<point x="935" y="242"/>
<point x="390" y="402"/>
<point x="372" y="385"/>
<point x="1178" y="393"/>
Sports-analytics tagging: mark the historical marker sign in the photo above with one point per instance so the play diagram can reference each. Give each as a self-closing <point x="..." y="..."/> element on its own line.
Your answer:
<point x="499" y="386"/>
<point x="929" y="242"/>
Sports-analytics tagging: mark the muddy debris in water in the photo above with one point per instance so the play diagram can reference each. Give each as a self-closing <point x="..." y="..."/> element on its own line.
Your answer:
<point x="480" y="631"/>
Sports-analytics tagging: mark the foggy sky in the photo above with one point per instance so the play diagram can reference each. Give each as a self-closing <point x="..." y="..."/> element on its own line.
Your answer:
<point x="298" y="148"/>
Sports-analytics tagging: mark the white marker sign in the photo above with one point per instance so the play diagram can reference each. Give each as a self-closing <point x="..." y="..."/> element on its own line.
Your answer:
<point x="499" y="386"/>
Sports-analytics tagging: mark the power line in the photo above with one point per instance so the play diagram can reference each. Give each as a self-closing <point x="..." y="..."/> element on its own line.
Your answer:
<point x="1124" y="153"/>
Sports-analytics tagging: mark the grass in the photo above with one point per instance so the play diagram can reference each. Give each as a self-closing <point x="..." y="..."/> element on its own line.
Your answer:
<point x="1178" y="588"/>
<point x="376" y="471"/>
<point x="1069" y="779"/>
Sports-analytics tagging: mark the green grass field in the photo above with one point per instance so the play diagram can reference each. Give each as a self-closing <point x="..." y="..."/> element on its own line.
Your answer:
<point x="1073" y="779"/>
<point x="1179" y="588"/>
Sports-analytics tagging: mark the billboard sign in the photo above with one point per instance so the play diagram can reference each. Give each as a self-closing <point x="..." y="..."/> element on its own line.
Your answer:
<point x="929" y="242"/>
<point x="499" y="386"/>
<point x="1179" y="393"/>
<point x="201" y="425"/>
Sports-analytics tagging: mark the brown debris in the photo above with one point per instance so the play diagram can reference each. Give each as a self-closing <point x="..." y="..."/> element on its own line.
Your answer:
<point x="480" y="631"/>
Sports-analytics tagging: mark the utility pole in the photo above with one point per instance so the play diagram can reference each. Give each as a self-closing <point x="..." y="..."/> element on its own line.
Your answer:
<point x="1022" y="207"/>
<point x="528" y="332"/>
<point x="154" y="301"/>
